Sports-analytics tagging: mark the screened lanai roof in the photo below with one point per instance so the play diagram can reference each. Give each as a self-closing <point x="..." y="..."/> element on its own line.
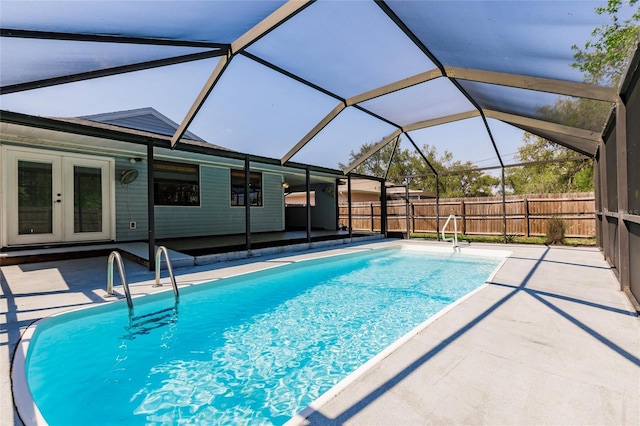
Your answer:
<point x="311" y="82"/>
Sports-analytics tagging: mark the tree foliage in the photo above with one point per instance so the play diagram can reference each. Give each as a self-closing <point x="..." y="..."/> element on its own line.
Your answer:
<point x="603" y="58"/>
<point x="581" y="113"/>
<point x="559" y="176"/>
<point x="410" y="163"/>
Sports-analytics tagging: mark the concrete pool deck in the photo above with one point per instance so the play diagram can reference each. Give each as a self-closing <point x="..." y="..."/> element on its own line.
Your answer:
<point x="551" y="340"/>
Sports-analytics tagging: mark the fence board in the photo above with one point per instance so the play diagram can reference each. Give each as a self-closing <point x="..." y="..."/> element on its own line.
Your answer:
<point x="525" y="214"/>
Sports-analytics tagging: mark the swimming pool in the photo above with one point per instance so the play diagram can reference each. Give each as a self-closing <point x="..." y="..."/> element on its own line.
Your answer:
<point x="251" y="349"/>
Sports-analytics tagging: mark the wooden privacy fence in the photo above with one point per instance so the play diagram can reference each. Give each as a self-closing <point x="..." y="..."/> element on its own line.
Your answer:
<point x="526" y="215"/>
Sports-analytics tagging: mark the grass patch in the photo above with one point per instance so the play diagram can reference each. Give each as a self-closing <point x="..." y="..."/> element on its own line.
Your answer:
<point x="515" y="239"/>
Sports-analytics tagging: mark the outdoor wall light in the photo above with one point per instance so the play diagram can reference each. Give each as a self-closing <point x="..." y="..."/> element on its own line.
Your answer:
<point x="128" y="176"/>
<point x="285" y="185"/>
<point x="135" y="160"/>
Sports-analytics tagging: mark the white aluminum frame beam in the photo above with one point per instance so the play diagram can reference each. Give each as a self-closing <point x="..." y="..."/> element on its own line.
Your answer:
<point x="377" y="147"/>
<point x="560" y="87"/>
<point x="506" y="166"/>
<point x="317" y="128"/>
<point x="395" y="86"/>
<point x="283" y="13"/>
<point x="371" y="94"/>
<point x="544" y="125"/>
<point x="202" y="97"/>
<point x="442" y="120"/>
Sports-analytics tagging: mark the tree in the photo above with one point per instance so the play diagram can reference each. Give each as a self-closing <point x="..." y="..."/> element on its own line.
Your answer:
<point x="603" y="59"/>
<point x="458" y="179"/>
<point x="581" y="113"/>
<point x="406" y="163"/>
<point x="559" y="176"/>
<point x="470" y="183"/>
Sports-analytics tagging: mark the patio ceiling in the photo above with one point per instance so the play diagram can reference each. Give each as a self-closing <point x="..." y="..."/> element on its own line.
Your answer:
<point x="408" y="66"/>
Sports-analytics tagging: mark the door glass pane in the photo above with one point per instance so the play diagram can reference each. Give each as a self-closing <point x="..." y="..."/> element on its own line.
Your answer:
<point x="35" y="201"/>
<point x="87" y="199"/>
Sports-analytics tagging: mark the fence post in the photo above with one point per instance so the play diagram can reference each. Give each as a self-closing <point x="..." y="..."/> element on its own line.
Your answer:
<point x="407" y="210"/>
<point x="349" y="215"/>
<point x="383" y="209"/>
<point x="371" y="205"/>
<point x="504" y="210"/>
<point x="437" y="209"/>
<point x="464" y="222"/>
<point x="413" y="217"/>
<point x="526" y="216"/>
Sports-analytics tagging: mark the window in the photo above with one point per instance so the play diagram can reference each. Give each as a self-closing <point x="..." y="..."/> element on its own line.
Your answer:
<point x="237" y="188"/>
<point x="176" y="184"/>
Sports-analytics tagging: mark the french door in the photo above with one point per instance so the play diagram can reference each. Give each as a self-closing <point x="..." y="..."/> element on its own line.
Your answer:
<point x="55" y="197"/>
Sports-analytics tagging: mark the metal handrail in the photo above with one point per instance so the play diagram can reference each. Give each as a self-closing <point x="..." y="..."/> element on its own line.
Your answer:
<point x="115" y="255"/>
<point x="159" y="252"/>
<point x="454" y="240"/>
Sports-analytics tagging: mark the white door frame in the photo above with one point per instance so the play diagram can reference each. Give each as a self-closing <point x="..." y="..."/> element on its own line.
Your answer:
<point x="63" y="184"/>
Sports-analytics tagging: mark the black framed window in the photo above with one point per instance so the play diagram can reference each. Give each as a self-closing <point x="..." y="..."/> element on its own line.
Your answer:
<point x="237" y="188"/>
<point x="176" y="184"/>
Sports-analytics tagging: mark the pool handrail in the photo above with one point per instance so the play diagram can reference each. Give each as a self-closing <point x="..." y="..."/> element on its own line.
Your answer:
<point x="454" y="240"/>
<point x="159" y="252"/>
<point x="115" y="255"/>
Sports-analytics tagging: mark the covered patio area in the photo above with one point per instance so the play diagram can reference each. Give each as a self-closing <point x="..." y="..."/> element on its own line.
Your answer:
<point x="305" y="96"/>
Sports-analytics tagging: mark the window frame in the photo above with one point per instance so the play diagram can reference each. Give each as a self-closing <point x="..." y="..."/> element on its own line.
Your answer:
<point x="178" y="168"/>
<point x="255" y="178"/>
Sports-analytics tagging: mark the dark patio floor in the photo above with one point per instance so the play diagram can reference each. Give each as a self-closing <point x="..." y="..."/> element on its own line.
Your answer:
<point x="214" y="244"/>
<point x="192" y="246"/>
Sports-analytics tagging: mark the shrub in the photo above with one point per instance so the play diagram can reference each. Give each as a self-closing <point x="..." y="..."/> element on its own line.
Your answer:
<point x="556" y="228"/>
<point x="510" y="238"/>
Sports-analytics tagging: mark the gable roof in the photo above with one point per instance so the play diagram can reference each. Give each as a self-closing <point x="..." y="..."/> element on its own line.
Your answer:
<point x="145" y="119"/>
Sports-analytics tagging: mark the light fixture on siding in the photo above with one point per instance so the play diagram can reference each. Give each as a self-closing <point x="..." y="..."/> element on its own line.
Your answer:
<point x="128" y="176"/>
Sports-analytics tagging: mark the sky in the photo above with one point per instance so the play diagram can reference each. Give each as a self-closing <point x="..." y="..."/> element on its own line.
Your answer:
<point x="256" y="110"/>
<point x="269" y="124"/>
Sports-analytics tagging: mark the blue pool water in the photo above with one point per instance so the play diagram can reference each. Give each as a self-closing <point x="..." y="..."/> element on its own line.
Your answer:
<point x="253" y="349"/>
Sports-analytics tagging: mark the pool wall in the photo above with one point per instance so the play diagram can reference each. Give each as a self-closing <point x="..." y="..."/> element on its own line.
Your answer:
<point x="360" y="371"/>
<point x="30" y="414"/>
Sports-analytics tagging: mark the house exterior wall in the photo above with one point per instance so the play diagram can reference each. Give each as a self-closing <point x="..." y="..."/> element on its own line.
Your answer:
<point x="358" y="197"/>
<point x="323" y="216"/>
<point x="214" y="216"/>
<point x="131" y="202"/>
<point x="323" y="212"/>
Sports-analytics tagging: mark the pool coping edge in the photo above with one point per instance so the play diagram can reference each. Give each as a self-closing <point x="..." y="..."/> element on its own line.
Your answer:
<point x="342" y="385"/>
<point x="29" y="413"/>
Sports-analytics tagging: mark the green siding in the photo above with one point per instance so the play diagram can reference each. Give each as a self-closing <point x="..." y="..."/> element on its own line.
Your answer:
<point x="131" y="202"/>
<point x="215" y="216"/>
